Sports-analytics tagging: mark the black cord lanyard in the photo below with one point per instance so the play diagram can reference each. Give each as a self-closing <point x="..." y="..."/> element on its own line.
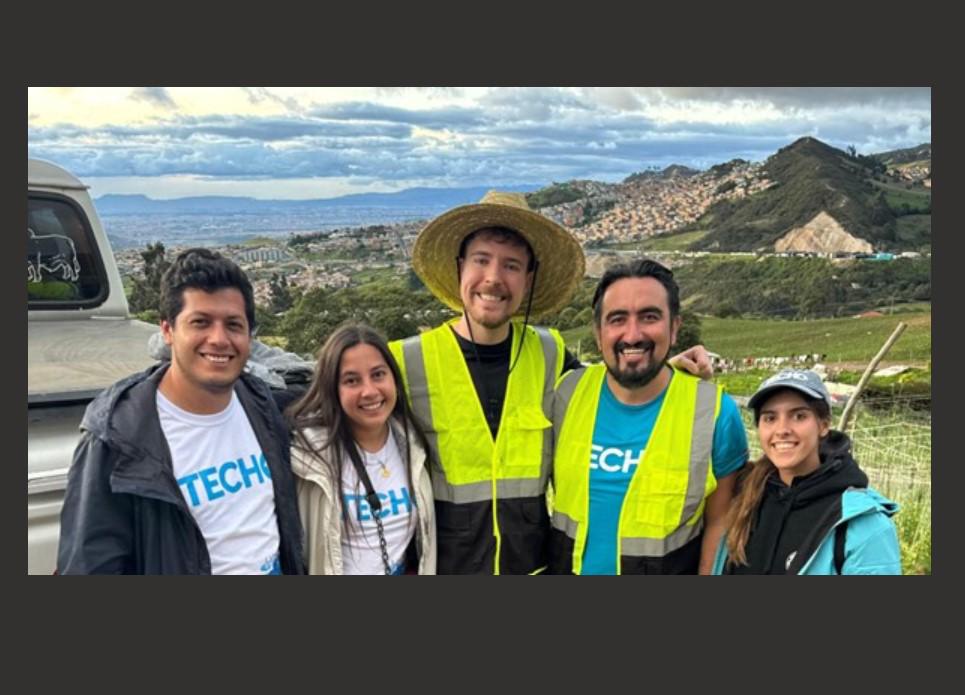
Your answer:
<point x="376" y="505"/>
<point x="484" y="396"/>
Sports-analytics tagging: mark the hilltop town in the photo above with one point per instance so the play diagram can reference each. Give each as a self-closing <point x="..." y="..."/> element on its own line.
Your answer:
<point x="641" y="207"/>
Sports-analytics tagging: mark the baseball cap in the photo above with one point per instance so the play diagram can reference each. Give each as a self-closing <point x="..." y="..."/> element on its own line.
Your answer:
<point x="803" y="380"/>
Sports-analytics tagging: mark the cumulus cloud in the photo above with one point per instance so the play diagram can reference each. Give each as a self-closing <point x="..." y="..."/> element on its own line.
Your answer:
<point x="157" y="96"/>
<point x="430" y="92"/>
<point x="508" y="135"/>
<point x="803" y="98"/>
<point x="442" y="118"/>
<point x="226" y="128"/>
<point x="531" y="103"/>
<point x="258" y="95"/>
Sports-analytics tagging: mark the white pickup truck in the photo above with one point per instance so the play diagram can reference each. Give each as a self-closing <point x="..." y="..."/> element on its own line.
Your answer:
<point x="80" y="339"/>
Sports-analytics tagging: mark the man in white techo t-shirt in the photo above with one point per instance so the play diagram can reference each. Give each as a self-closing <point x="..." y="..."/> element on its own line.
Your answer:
<point x="184" y="468"/>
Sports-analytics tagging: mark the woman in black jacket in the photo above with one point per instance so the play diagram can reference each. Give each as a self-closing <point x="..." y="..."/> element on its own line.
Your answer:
<point x="805" y="506"/>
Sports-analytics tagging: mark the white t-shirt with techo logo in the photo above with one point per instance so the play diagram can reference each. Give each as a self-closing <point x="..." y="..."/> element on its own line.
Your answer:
<point x="224" y="478"/>
<point x="361" y="552"/>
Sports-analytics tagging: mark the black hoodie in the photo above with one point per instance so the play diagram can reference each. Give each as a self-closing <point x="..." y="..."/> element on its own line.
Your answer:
<point x="789" y="515"/>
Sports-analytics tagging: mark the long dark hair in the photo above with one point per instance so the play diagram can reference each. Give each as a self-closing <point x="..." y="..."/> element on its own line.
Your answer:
<point x="320" y="407"/>
<point x="750" y="488"/>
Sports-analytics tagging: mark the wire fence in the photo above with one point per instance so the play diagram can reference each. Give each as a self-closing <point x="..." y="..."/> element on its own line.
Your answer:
<point x="893" y="448"/>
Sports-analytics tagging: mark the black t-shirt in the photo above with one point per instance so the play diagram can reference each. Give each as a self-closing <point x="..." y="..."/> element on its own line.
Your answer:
<point x="491" y="372"/>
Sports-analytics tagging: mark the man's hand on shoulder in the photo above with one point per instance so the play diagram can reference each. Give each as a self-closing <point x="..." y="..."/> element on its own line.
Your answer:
<point x="695" y="360"/>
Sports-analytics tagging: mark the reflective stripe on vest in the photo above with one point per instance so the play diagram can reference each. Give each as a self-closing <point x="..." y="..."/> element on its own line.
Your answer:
<point x="663" y="507"/>
<point x="469" y="465"/>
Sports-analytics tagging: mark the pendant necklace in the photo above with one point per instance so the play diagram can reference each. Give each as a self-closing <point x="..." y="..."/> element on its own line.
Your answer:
<point x="380" y="462"/>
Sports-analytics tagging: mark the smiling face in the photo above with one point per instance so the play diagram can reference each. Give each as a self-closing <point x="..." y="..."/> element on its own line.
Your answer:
<point x="790" y="432"/>
<point x="493" y="280"/>
<point x="636" y="331"/>
<point x="210" y="341"/>
<point x="366" y="390"/>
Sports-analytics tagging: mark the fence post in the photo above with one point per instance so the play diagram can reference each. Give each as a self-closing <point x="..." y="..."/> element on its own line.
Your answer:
<point x="869" y="370"/>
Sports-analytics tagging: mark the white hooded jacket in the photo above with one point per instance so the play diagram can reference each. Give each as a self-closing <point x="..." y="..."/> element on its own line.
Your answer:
<point x="320" y="504"/>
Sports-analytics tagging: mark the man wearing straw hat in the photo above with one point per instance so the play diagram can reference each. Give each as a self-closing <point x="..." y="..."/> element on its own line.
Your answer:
<point x="482" y="383"/>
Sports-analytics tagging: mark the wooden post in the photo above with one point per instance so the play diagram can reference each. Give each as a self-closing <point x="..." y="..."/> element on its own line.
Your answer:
<point x="869" y="370"/>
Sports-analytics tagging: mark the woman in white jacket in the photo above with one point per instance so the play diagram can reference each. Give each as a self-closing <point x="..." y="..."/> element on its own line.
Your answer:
<point x="359" y="458"/>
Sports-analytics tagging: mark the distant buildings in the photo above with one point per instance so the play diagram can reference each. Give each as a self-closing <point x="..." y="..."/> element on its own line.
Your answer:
<point x="262" y="254"/>
<point x="652" y="205"/>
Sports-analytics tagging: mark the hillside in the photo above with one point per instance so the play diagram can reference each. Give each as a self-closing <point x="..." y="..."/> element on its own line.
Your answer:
<point x="807" y="196"/>
<point x="909" y="155"/>
<point x="810" y="178"/>
<point x="645" y="204"/>
<point x="823" y="235"/>
<point x="799" y="287"/>
<point x="844" y="340"/>
<point x="670" y="172"/>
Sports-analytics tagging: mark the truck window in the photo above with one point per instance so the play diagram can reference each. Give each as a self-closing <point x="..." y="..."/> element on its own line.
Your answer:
<point x="64" y="268"/>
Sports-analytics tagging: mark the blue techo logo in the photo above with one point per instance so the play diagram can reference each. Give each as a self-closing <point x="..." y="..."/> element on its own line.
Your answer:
<point x="231" y="477"/>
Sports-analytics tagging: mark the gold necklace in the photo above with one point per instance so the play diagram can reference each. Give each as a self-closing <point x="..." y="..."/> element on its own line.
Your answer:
<point x="383" y="469"/>
<point x="380" y="462"/>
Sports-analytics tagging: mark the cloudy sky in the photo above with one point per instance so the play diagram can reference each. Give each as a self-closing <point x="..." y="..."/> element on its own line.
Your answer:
<point x="320" y="142"/>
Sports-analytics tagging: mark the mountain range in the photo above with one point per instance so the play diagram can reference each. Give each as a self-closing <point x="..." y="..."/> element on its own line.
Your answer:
<point x="909" y="155"/>
<point x="881" y="200"/>
<point x="122" y="204"/>
<point x="813" y="181"/>
<point x="808" y="196"/>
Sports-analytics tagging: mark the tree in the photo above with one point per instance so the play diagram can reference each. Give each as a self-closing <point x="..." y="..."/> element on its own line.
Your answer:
<point x="689" y="333"/>
<point x="566" y="319"/>
<point x="266" y="322"/>
<point x="146" y="289"/>
<point x="279" y="295"/>
<point x="413" y="282"/>
<point x="584" y="317"/>
<point x="394" y="325"/>
<point x="310" y="321"/>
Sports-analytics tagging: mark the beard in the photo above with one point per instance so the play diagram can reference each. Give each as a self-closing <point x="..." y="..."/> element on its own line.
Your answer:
<point x="486" y="320"/>
<point x="635" y="377"/>
<point x="493" y="324"/>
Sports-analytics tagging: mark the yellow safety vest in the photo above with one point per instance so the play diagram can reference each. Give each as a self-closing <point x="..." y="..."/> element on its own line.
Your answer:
<point x="468" y="467"/>
<point x="664" y="505"/>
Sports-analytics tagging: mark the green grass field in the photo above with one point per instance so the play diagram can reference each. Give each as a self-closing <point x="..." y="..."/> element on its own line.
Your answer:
<point x="374" y="275"/>
<point x="897" y="194"/>
<point x="842" y="340"/>
<point x="262" y="241"/>
<point x="674" y="242"/>
<point x="662" y="242"/>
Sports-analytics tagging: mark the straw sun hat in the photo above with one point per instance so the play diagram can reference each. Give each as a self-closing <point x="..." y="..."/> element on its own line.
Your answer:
<point x="560" y="257"/>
